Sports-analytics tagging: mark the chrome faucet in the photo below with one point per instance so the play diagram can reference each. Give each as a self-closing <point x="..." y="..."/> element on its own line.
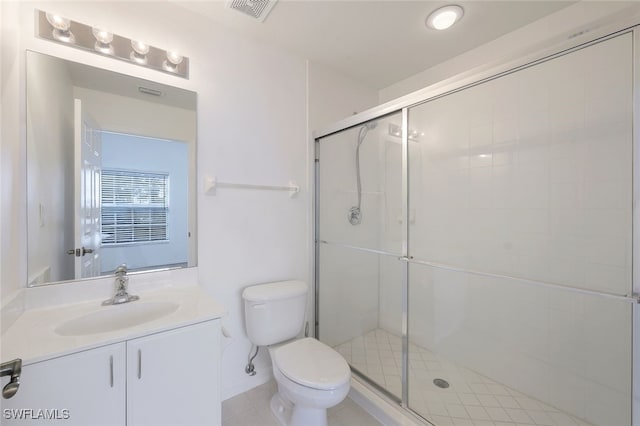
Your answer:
<point x="121" y="296"/>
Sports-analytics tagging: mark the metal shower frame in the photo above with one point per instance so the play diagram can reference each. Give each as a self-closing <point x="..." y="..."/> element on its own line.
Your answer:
<point x="554" y="49"/>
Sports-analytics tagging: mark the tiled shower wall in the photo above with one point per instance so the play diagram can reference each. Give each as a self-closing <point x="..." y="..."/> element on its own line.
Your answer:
<point x="528" y="176"/>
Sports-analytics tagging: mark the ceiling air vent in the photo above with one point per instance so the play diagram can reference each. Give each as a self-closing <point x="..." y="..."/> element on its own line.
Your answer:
<point x="257" y="9"/>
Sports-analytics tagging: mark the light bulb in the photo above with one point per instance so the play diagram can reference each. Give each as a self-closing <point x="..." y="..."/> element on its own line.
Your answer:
<point x="140" y="50"/>
<point x="61" y="27"/>
<point x="103" y="41"/>
<point x="174" y="57"/>
<point x="173" y="60"/>
<point x="58" y="22"/>
<point x="139" y="47"/>
<point x="445" y="17"/>
<point x="102" y="36"/>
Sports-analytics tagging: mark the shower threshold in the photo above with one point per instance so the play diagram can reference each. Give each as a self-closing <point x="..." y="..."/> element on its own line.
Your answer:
<point x="469" y="398"/>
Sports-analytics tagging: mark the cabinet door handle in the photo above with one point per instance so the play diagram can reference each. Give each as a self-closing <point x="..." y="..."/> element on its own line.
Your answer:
<point x="111" y="370"/>
<point x="139" y="364"/>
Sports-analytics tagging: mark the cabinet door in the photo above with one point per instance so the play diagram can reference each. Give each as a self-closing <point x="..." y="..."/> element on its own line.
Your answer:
<point x="86" y="388"/>
<point x="173" y="377"/>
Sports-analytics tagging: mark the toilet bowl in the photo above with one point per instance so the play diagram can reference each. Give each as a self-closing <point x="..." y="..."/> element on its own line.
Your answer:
<point x="311" y="376"/>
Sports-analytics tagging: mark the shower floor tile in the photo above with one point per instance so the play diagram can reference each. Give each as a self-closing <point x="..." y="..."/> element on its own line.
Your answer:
<point x="471" y="399"/>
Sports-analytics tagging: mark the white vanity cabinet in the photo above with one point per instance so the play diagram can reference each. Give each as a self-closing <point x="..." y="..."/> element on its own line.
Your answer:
<point x="166" y="378"/>
<point x="172" y="377"/>
<point x="85" y="388"/>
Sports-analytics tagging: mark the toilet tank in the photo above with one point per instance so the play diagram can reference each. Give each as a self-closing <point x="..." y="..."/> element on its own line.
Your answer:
<point x="274" y="312"/>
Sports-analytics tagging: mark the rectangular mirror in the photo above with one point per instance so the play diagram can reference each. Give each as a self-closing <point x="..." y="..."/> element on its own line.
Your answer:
<point x="111" y="173"/>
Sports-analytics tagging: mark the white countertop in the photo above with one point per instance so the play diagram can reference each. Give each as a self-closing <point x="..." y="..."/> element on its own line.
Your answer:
<point x="32" y="336"/>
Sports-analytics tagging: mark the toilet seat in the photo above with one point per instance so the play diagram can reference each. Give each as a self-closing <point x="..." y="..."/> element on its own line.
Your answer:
<point x="313" y="364"/>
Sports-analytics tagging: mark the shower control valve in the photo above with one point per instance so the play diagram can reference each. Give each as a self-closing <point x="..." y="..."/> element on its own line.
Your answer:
<point x="355" y="215"/>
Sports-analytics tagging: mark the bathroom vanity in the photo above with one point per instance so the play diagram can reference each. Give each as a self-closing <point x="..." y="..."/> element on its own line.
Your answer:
<point x="159" y="366"/>
<point x="152" y="361"/>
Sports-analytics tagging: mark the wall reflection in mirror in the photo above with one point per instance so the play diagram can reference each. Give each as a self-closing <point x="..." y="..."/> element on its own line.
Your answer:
<point x="110" y="172"/>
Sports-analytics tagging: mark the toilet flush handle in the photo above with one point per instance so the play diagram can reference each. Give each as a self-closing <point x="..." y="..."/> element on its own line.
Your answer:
<point x="259" y="306"/>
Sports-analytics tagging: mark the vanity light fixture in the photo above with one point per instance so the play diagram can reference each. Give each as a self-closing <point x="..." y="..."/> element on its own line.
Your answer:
<point x="445" y="17"/>
<point x="54" y="27"/>
<point x="61" y="28"/>
<point x="103" y="41"/>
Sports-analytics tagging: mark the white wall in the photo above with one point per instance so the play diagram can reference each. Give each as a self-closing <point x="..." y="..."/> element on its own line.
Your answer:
<point x="144" y="154"/>
<point x="252" y="128"/>
<point x="333" y="96"/>
<point x="50" y="171"/>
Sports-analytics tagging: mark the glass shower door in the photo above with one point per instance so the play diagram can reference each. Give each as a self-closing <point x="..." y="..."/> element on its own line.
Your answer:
<point x="521" y="246"/>
<point x="359" y="242"/>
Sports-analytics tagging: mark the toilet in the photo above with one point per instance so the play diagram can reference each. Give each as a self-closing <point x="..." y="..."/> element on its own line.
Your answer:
<point x="311" y="376"/>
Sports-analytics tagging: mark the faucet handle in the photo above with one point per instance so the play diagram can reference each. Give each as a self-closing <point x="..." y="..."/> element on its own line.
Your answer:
<point x="121" y="270"/>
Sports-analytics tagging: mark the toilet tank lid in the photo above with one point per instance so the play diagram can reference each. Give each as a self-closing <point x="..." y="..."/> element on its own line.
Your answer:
<point x="274" y="291"/>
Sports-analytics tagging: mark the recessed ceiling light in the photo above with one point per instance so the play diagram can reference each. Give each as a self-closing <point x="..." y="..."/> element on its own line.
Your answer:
<point x="443" y="18"/>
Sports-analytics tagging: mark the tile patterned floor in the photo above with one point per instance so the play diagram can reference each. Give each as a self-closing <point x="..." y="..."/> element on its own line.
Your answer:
<point x="252" y="409"/>
<point x="471" y="400"/>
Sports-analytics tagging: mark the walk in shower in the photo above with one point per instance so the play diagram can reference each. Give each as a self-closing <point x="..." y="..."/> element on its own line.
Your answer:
<point x="474" y="245"/>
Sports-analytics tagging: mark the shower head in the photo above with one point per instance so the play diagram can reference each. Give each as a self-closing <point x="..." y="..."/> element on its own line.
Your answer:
<point x="370" y="125"/>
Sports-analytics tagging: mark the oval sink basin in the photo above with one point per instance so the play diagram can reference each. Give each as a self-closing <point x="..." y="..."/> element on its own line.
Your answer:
<point x="116" y="317"/>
